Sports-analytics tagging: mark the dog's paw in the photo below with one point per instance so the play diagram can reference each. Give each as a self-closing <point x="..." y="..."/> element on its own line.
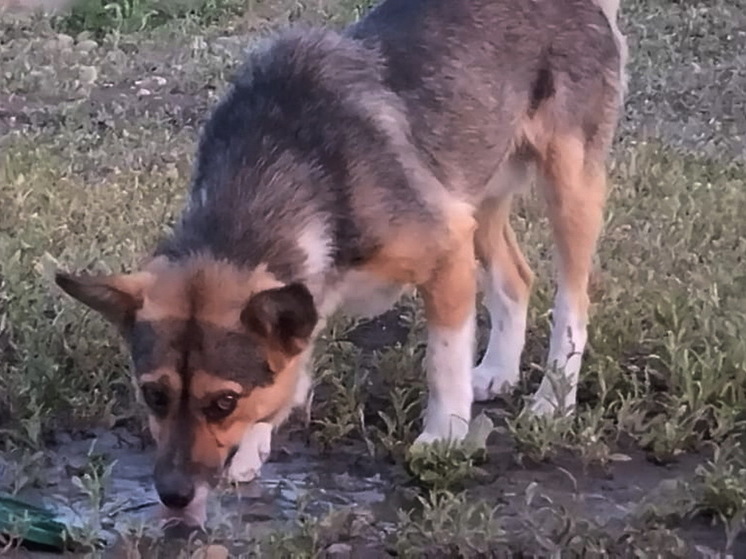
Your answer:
<point x="453" y="430"/>
<point x="425" y="438"/>
<point x="488" y="382"/>
<point x="255" y="447"/>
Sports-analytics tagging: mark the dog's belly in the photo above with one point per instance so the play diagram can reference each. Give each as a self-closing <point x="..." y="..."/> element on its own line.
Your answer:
<point x="362" y="294"/>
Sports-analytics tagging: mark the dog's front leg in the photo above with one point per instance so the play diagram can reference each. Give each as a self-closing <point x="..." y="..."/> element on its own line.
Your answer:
<point x="256" y="443"/>
<point x="450" y="302"/>
<point x="252" y="453"/>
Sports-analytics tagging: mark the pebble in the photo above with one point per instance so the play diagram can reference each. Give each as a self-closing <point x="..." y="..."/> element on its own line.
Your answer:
<point x="87" y="46"/>
<point x="87" y="74"/>
<point x="339" y="550"/>
<point x="151" y="82"/>
<point x="65" y="42"/>
<point x="211" y="552"/>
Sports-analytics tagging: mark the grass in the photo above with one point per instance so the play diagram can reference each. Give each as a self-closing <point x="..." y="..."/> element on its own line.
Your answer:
<point x="94" y="156"/>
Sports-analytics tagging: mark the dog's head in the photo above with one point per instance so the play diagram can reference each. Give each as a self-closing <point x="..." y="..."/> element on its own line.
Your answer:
<point x="214" y="350"/>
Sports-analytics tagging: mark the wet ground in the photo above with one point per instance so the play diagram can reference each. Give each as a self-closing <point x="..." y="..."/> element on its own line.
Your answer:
<point x="302" y="480"/>
<point x="299" y="478"/>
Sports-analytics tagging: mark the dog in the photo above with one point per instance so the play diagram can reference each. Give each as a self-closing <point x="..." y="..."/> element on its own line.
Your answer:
<point x="342" y="167"/>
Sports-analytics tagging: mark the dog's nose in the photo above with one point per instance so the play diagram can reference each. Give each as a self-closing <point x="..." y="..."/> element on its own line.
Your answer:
<point x="175" y="489"/>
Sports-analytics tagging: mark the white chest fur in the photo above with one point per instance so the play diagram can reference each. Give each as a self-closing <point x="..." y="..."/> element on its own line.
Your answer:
<point x="359" y="293"/>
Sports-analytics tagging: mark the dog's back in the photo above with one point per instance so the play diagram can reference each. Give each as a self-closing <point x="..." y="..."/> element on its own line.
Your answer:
<point x="370" y="126"/>
<point x="474" y="73"/>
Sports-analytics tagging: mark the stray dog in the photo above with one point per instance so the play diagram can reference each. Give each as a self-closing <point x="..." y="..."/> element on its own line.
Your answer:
<point x="343" y="167"/>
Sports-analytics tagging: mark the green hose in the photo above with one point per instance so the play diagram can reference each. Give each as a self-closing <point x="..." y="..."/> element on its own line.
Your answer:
<point x="32" y="525"/>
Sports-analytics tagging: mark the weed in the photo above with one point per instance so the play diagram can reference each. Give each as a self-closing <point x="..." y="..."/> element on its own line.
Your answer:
<point x="721" y="489"/>
<point x="101" y="17"/>
<point x="449" y="524"/>
<point x="447" y="465"/>
<point x="538" y="438"/>
<point x="343" y="385"/>
<point x="93" y="485"/>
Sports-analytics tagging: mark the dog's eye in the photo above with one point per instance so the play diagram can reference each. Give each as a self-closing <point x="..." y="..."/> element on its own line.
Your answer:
<point x="221" y="407"/>
<point x="156" y="399"/>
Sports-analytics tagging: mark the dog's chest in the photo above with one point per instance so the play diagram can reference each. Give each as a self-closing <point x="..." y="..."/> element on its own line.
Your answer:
<point x="359" y="293"/>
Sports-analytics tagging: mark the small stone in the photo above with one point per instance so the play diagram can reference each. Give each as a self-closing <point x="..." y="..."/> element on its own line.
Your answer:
<point x="211" y="552"/>
<point x="152" y="82"/>
<point x="172" y="172"/>
<point x="87" y="46"/>
<point x="339" y="551"/>
<point x="142" y="92"/>
<point x="65" y="42"/>
<point x="87" y="74"/>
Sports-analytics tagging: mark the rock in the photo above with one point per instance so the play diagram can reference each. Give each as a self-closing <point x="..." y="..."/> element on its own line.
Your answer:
<point x="339" y="551"/>
<point x="225" y="45"/>
<point x="211" y="552"/>
<point x="153" y="82"/>
<point x="87" y="74"/>
<point x="65" y="42"/>
<point x="87" y="46"/>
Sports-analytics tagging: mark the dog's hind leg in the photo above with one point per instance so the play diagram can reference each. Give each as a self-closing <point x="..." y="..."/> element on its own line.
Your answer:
<point x="507" y="287"/>
<point x="450" y="303"/>
<point x="575" y="191"/>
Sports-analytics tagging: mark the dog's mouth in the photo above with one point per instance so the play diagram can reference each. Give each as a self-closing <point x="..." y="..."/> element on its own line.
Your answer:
<point x="229" y="457"/>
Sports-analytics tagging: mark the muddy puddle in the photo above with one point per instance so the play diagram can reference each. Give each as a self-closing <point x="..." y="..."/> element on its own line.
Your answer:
<point x="100" y="483"/>
<point x="299" y="479"/>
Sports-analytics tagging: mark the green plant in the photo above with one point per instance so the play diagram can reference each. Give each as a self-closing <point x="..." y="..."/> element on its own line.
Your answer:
<point x="447" y="465"/>
<point x="448" y="524"/>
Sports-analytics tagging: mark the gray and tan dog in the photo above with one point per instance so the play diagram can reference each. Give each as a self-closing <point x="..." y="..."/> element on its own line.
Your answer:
<point x="344" y="167"/>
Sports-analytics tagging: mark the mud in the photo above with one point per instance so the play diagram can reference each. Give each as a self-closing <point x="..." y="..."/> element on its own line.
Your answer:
<point x="300" y="479"/>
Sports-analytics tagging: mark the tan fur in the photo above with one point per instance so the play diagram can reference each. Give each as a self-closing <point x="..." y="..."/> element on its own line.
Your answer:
<point x="408" y="258"/>
<point x="575" y="193"/>
<point x="449" y="294"/>
<point x="262" y="403"/>
<point x="203" y="385"/>
<point x="496" y="244"/>
<point x="220" y="289"/>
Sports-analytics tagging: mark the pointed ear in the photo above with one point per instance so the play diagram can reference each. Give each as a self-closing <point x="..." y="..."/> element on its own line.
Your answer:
<point x="284" y="316"/>
<point x="116" y="297"/>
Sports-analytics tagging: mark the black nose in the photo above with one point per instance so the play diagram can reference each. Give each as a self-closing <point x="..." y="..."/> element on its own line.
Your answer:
<point x="175" y="489"/>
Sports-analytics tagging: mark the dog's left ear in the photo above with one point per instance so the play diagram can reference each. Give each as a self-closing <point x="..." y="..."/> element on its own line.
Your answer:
<point x="284" y="316"/>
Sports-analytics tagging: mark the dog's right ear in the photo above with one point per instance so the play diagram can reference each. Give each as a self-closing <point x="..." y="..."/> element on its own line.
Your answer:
<point x="116" y="297"/>
<point x="285" y="317"/>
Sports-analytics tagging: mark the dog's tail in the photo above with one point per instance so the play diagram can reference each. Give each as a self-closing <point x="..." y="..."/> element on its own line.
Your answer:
<point x="610" y="8"/>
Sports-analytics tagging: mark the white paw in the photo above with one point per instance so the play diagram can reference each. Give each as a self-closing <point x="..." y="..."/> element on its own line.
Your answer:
<point x="490" y="382"/>
<point x="453" y="429"/>
<point x="253" y="452"/>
